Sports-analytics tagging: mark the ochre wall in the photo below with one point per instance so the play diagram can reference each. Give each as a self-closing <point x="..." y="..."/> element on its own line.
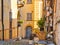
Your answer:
<point x="6" y="21"/>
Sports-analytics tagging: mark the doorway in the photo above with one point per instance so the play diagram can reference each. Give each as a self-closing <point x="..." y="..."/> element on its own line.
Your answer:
<point x="28" y="32"/>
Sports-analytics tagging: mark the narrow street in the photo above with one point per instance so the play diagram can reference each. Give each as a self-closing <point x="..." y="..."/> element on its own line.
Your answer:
<point x="25" y="42"/>
<point x="29" y="22"/>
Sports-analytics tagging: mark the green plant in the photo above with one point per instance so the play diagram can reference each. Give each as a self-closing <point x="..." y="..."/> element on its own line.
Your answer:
<point x="41" y="23"/>
<point x="20" y="21"/>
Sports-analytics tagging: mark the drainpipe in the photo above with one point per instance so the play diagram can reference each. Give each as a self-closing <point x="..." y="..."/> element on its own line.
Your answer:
<point x="2" y="20"/>
<point x="10" y="25"/>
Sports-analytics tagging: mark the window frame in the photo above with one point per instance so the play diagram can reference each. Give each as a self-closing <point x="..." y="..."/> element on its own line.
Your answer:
<point x="29" y="2"/>
<point x="29" y="16"/>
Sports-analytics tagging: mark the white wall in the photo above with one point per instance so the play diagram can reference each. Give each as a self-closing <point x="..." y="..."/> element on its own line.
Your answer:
<point x="14" y="18"/>
<point x="14" y="8"/>
<point x="14" y="12"/>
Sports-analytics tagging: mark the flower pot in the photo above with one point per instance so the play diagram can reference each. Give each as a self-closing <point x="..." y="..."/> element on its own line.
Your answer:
<point x="41" y="29"/>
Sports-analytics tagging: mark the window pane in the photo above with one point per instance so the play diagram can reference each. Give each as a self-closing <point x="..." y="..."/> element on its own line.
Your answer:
<point x="29" y="1"/>
<point x="29" y="16"/>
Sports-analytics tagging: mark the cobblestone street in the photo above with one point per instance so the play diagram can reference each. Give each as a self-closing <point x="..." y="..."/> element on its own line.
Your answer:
<point x="29" y="22"/>
<point x="25" y="42"/>
<point x="12" y="42"/>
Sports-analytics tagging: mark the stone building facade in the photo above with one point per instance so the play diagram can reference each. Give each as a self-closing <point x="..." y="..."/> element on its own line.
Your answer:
<point x="30" y="13"/>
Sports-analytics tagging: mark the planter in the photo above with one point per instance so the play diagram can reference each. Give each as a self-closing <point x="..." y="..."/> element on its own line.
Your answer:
<point x="41" y="29"/>
<point x="41" y="23"/>
<point x="19" y="23"/>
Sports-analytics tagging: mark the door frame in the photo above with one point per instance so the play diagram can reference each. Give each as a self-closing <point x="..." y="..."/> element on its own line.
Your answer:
<point x="26" y="30"/>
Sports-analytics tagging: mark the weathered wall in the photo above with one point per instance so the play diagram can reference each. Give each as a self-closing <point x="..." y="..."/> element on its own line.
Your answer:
<point x="58" y="24"/>
<point x="27" y="8"/>
<point x="0" y="21"/>
<point x="8" y="6"/>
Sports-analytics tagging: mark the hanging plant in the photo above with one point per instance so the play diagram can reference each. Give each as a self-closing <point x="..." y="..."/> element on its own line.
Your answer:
<point x="20" y="22"/>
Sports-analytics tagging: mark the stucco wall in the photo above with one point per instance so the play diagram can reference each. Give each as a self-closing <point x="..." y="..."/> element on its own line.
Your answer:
<point x="0" y="21"/>
<point x="28" y="8"/>
<point x="14" y="18"/>
<point x="0" y="16"/>
<point x="58" y="24"/>
<point x="7" y="8"/>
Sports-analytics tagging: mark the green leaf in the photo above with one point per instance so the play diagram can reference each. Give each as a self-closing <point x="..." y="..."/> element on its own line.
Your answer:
<point x="20" y="21"/>
<point x="41" y="22"/>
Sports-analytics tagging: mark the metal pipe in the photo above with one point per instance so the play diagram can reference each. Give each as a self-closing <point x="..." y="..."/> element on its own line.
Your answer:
<point x="10" y="25"/>
<point x="2" y="20"/>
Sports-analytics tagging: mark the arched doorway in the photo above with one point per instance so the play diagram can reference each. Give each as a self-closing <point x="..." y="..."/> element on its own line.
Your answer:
<point x="28" y="32"/>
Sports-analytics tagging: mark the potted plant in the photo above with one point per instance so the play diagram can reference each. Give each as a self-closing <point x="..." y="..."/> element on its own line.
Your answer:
<point x="41" y="24"/>
<point x="20" y="22"/>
